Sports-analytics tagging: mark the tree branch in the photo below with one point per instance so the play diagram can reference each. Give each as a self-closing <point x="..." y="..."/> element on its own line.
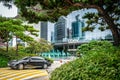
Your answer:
<point x="69" y="1"/>
<point x="83" y="5"/>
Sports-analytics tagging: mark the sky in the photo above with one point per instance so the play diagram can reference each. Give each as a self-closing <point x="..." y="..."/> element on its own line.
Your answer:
<point x="4" y="11"/>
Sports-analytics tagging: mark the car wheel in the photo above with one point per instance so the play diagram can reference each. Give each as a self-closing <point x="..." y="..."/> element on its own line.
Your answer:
<point x="20" y="66"/>
<point x="45" y="66"/>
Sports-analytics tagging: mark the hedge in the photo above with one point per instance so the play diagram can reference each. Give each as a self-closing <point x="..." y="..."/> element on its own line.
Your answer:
<point x="93" y="65"/>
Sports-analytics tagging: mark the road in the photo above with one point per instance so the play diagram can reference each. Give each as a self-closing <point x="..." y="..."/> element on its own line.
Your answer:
<point x="9" y="74"/>
<point x="31" y="74"/>
<point x="55" y="64"/>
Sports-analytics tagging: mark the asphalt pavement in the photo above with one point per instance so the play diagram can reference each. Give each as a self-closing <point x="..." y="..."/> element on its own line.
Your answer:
<point x="9" y="74"/>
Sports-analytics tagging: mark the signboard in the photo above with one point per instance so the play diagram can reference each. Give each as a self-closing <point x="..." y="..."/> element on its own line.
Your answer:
<point x="72" y="40"/>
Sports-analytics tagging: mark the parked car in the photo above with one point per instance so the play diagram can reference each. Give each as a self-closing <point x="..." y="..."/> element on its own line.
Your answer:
<point x="29" y="62"/>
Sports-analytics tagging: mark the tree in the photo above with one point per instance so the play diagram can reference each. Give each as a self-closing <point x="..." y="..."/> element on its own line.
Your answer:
<point x="10" y="28"/>
<point x="108" y="15"/>
<point x="39" y="46"/>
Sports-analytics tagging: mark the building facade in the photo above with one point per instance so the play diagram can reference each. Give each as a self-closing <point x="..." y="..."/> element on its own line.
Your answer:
<point x="77" y="29"/>
<point x="60" y="30"/>
<point x="46" y="31"/>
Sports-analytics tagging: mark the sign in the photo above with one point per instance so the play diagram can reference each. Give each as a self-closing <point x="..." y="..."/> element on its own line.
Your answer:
<point x="72" y="40"/>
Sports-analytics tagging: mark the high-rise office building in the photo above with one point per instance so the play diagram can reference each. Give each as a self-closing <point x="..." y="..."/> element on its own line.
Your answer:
<point x="46" y="31"/>
<point x="77" y="28"/>
<point x="60" y="30"/>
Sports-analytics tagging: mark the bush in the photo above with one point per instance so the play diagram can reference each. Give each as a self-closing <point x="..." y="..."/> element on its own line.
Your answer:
<point x="95" y="46"/>
<point x="49" y="59"/>
<point x="11" y="55"/>
<point x="94" y="65"/>
<point x="3" y="61"/>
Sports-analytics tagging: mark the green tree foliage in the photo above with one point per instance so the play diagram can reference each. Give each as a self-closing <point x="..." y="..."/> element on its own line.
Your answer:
<point x="99" y="63"/>
<point x="10" y="28"/>
<point x="108" y="15"/>
<point x="39" y="46"/>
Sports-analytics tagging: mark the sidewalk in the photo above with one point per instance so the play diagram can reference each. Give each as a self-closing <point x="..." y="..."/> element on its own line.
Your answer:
<point x="58" y="63"/>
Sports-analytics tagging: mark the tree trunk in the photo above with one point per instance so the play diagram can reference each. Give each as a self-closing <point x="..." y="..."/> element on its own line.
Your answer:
<point x="16" y="47"/>
<point x="7" y="45"/>
<point x="116" y="36"/>
<point x="112" y="26"/>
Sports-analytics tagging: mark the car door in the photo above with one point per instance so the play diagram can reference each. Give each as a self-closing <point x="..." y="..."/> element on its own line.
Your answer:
<point x="26" y="61"/>
<point x="32" y="62"/>
<point x="36" y="61"/>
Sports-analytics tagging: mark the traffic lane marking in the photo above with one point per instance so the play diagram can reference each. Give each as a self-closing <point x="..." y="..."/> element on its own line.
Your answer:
<point x="9" y="74"/>
<point x="24" y="77"/>
<point x="15" y="74"/>
<point x="5" y="73"/>
<point x="21" y="76"/>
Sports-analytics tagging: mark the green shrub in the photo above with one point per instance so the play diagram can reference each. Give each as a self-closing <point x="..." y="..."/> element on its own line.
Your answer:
<point x="3" y="61"/>
<point x="49" y="59"/>
<point x="95" y="46"/>
<point x="11" y="55"/>
<point x="94" y="65"/>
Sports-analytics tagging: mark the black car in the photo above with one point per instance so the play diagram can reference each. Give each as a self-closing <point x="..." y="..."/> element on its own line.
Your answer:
<point x="29" y="62"/>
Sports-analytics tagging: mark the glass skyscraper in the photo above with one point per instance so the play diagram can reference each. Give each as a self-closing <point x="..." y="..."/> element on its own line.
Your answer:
<point x="46" y="31"/>
<point x="77" y="29"/>
<point x="60" y="29"/>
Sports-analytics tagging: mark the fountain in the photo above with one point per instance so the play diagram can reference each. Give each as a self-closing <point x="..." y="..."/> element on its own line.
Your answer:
<point x="56" y="54"/>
